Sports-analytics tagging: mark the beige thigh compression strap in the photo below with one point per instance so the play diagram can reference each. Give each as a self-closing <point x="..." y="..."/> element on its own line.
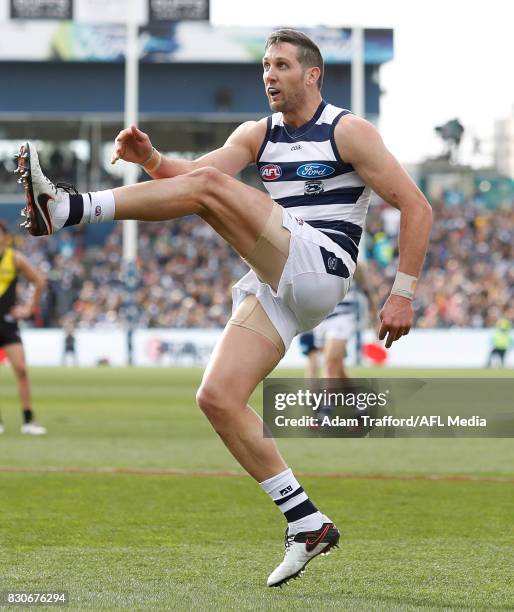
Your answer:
<point x="251" y="315"/>
<point x="269" y="256"/>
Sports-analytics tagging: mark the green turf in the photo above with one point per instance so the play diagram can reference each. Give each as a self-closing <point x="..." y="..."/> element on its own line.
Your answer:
<point x="208" y="542"/>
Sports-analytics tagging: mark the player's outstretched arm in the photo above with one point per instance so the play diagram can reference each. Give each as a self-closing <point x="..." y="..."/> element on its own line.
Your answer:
<point x="23" y="311"/>
<point x="360" y="144"/>
<point x="239" y="151"/>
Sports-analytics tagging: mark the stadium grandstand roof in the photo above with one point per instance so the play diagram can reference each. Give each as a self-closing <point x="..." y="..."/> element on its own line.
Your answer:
<point x="196" y="81"/>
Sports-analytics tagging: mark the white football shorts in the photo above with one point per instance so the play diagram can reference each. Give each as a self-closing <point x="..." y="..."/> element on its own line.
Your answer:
<point x="312" y="282"/>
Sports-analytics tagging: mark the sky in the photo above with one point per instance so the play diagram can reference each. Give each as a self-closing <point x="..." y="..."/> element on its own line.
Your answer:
<point x="453" y="59"/>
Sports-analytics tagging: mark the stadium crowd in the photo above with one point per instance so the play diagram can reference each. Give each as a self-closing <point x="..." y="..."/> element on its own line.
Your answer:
<point x="185" y="272"/>
<point x="468" y="278"/>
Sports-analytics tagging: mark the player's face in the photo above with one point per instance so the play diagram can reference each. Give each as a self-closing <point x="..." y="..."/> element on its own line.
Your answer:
<point x="3" y="240"/>
<point x="284" y="78"/>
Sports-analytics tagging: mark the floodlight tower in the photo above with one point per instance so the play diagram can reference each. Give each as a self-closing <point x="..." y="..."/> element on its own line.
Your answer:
<point x="131" y="171"/>
<point x="358" y="108"/>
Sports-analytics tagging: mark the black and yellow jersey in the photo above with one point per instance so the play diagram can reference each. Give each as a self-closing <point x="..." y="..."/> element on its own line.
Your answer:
<point x="8" y="279"/>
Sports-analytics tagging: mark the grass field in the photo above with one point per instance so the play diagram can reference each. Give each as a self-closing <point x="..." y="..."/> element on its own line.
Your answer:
<point x="131" y="501"/>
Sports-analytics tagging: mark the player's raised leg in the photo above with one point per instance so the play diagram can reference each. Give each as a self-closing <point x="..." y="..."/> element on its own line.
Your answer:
<point x="236" y="211"/>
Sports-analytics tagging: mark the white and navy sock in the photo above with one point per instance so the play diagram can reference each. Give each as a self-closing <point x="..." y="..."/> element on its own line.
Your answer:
<point x="92" y="207"/>
<point x="301" y="514"/>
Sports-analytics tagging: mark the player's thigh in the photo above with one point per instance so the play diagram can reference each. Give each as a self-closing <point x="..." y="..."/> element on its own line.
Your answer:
<point x="241" y="360"/>
<point x="16" y="355"/>
<point x="236" y="211"/>
<point x="249" y="221"/>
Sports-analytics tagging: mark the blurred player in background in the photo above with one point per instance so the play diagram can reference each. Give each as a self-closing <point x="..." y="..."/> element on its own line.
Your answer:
<point x="333" y="334"/>
<point x="319" y="164"/>
<point x="501" y="341"/>
<point x="12" y="264"/>
<point x="69" y="352"/>
<point x="311" y="351"/>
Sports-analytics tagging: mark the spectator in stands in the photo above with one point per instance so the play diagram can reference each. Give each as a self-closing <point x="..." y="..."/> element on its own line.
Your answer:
<point x="502" y="341"/>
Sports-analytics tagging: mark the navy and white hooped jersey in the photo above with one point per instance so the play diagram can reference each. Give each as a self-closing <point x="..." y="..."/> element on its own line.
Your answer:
<point x="303" y="172"/>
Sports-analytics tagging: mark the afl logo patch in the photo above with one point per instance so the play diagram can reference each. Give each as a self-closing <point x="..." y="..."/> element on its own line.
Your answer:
<point x="271" y="172"/>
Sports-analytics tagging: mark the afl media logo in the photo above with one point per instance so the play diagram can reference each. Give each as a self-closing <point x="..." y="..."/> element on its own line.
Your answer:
<point x="271" y="172"/>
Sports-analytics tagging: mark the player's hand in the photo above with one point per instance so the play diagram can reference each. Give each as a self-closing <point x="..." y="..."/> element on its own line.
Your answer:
<point x="132" y="145"/>
<point x="21" y="311"/>
<point x="396" y="317"/>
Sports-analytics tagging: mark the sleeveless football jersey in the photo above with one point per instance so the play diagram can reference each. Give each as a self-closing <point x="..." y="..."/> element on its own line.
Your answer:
<point x="303" y="171"/>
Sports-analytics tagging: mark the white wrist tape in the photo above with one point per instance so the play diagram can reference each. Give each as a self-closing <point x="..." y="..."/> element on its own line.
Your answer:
<point x="153" y="162"/>
<point x="404" y="285"/>
<point x="149" y="157"/>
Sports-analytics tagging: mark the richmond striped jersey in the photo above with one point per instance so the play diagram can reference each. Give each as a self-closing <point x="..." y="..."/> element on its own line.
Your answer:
<point x="303" y="172"/>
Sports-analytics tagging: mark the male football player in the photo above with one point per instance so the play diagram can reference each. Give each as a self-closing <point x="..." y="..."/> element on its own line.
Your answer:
<point x="319" y="164"/>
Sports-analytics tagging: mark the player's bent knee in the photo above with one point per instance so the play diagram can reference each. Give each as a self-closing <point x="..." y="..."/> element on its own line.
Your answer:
<point x="251" y="315"/>
<point x="208" y="175"/>
<point x="213" y="402"/>
<point x="208" y="398"/>
<point x="208" y="185"/>
<point x="20" y="372"/>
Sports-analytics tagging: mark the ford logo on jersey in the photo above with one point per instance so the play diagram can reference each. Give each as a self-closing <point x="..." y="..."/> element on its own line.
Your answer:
<point x="271" y="172"/>
<point x="315" y="170"/>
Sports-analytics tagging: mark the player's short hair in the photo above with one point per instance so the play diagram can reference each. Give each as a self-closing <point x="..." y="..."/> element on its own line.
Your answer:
<point x="308" y="54"/>
<point x="3" y="227"/>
